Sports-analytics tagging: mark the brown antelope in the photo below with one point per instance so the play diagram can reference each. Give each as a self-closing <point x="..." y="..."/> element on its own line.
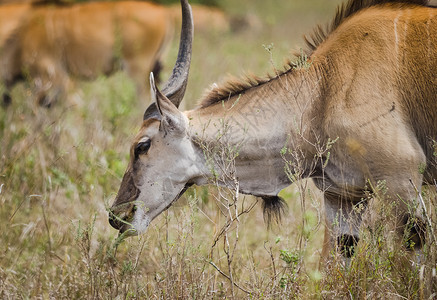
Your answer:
<point x="367" y="90"/>
<point x="204" y="18"/>
<point x="10" y="17"/>
<point x="56" y="41"/>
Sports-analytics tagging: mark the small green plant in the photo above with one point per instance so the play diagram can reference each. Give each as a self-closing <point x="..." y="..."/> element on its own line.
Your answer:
<point x="291" y="258"/>
<point x="302" y="62"/>
<point x="422" y="168"/>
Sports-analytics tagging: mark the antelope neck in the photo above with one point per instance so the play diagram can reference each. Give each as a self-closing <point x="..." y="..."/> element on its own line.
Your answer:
<point x="250" y="136"/>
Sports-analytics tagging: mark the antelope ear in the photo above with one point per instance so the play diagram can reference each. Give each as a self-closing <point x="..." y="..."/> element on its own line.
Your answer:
<point x="171" y="118"/>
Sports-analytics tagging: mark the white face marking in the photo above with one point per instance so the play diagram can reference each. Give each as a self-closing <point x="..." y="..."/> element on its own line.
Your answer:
<point x="141" y="221"/>
<point x="144" y="139"/>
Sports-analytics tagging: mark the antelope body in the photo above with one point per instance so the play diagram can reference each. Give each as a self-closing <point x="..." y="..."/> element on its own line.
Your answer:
<point x="369" y="85"/>
<point x="56" y="41"/>
<point x="11" y="16"/>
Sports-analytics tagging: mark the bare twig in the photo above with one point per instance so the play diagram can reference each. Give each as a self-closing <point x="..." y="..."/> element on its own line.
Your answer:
<point x="428" y="219"/>
<point x="270" y="252"/>
<point x="225" y="275"/>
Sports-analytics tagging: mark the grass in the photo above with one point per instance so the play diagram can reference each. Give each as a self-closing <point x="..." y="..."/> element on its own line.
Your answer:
<point x="61" y="167"/>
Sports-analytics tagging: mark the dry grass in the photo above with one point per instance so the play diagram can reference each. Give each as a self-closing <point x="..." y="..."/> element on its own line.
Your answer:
<point x="60" y="168"/>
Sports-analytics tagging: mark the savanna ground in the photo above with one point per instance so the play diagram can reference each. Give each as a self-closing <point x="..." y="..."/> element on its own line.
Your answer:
<point x="60" y="169"/>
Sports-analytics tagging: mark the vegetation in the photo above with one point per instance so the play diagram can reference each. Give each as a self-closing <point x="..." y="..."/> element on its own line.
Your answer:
<point x="61" y="167"/>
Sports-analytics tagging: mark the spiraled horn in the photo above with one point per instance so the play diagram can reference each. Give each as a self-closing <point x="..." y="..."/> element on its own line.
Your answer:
<point x="175" y="87"/>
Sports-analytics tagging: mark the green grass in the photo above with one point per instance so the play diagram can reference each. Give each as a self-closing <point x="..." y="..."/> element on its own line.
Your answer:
<point x="60" y="169"/>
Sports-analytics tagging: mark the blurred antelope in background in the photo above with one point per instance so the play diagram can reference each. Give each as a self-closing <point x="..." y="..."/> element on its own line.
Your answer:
<point x="11" y="15"/>
<point x="365" y="89"/>
<point x="53" y="42"/>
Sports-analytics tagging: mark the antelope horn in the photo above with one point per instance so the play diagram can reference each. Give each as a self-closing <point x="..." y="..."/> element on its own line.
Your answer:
<point x="175" y="87"/>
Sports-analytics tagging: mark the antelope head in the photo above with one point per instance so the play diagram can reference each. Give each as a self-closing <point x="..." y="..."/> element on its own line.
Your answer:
<point x="162" y="156"/>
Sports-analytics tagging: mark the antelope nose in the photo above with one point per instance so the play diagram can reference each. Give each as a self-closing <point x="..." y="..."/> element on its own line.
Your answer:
<point x="114" y="220"/>
<point x="121" y="215"/>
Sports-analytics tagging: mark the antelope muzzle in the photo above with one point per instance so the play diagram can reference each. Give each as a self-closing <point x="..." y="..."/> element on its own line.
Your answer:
<point x="123" y="210"/>
<point x="122" y="215"/>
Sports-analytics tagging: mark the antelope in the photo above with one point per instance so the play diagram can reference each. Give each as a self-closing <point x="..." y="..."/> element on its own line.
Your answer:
<point x="367" y="89"/>
<point x="55" y="42"/>
<point x="10" y="18"/>
<point x="205" y="18"/>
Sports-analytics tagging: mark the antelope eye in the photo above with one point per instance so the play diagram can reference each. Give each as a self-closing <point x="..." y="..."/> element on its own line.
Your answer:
<point x="142" y="148"/>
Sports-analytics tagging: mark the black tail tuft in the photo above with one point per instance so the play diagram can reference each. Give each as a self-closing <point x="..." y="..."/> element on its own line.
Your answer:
<point x="274" y="208"/>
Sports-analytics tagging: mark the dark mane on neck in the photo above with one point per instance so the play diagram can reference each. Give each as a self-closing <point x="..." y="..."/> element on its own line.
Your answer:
<point x="231" y="87"/>
<point x="235" y="86"/>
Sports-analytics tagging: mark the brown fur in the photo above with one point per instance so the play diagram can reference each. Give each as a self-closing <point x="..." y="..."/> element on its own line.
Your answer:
<point x="205" y="18"/>
<point x="10" y="18"/>
<point x="236" y="86"/>
<point x="345" y="11"/>
<point x="86" y="40"/>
